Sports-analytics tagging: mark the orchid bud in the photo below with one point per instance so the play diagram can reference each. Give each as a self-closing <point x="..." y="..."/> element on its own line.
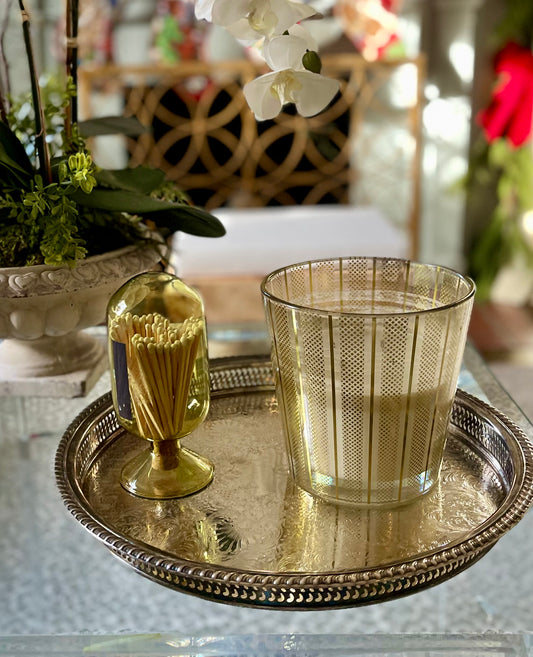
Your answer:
<point x="311" y="61"/>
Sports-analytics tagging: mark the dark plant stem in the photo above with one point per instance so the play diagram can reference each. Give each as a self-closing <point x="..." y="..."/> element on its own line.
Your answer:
<point x="4" y="72"/>
<point x="3" y="112"/>
<point x="72" y="19"/>
<point x="40" y="125"/>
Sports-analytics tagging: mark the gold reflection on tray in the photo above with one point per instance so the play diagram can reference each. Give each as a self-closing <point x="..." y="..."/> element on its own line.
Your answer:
<point x="253" y="517"/>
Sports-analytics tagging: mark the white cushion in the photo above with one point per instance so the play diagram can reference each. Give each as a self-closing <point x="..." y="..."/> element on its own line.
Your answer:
<point x="259" y="240"/>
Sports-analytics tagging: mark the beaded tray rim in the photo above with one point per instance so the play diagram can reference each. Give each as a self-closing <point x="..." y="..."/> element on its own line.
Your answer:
<point x="301" y="590"/>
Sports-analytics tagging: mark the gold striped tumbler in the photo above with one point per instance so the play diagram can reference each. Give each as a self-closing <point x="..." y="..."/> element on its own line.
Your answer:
<point x="366" y="354"/>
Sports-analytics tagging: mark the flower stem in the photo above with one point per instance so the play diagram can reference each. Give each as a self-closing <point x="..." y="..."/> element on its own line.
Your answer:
<point x="40" y="125"/>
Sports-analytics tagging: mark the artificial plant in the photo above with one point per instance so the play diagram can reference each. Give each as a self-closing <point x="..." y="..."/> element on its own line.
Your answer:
<point x="56" y="205"/>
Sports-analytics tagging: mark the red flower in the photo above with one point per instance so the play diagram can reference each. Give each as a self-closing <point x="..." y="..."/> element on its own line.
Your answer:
<point x="511" y="110"/>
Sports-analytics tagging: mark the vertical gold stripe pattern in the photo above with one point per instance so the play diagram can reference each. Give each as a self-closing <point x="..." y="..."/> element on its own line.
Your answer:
<point x="310" y="267"/>
<point x="287" y="298"/>
<point x="299" y="369"/>
<point x="279" y="380"/>
<point x="436" y="403"/>
<point x="406" y="287"/>
<point x="408" y="404"/>
<point x="333" y="403"/>
<point x="341" y="283"/>
<point x="374" y="277"/>
<point x="436" y="288"/>
<point x="371" y="418"/>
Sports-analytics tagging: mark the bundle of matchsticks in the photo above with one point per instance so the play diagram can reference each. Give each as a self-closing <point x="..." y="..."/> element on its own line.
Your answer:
<point x="160" y="357"/>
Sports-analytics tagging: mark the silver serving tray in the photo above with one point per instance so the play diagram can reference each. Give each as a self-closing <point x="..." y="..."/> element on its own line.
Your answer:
<point x="253" y="538"/>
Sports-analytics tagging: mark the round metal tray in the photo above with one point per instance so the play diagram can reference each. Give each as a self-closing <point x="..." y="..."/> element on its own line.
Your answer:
<point x="253" y="538"/>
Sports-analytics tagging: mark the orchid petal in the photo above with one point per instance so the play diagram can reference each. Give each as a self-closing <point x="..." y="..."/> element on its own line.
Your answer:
<point x="310" y="92"/>
<point x="246" y="20"/>
<point x="258" y="93"/>
<point x="300" y="31"/>
<point x="242" y="31"/>
<point x="316" y="92"/>
<point x="287" y="51"/>
<point x="227" y="12"/>
<point x="284" y="52"/>
<point x="289" y="13"/>
<point x="203" y="9"/>
<point x="249" y="20"/>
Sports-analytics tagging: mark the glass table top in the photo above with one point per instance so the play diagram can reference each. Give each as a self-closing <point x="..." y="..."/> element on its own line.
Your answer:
<point x="55" y="578"/>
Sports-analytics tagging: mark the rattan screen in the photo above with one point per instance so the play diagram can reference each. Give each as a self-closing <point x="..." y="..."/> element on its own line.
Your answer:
<point x="364" y="149"/>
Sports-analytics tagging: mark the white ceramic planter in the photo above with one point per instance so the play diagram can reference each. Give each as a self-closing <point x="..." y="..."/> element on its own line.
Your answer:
<point x="43" y="310"/>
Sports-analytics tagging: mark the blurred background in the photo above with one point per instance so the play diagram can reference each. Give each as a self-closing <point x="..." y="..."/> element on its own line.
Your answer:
<point x="425" y="153"/>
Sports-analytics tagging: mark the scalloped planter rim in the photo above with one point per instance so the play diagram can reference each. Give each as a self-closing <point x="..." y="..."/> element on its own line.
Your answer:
<point x="44" y="310"/>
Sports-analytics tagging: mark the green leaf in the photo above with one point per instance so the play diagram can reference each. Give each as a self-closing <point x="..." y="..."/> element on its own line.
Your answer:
<point x="506" y="189"/>
<point x="13" y="158"/>
<point x="175" y="216"/>
<point x="55" y="164"/>
<point x="500" y="153"/>
<point x="138" y="179"/>
<point x="189" y="219"/>
<point x="112" y="125"/>
<point x="119" y="200"/>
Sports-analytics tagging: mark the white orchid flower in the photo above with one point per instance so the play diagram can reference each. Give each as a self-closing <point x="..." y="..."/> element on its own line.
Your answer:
<point x="288" y="50"/>
<point x="203" y="9"/>
<point x="310" y="92"/>
<point x="250" y="20"/>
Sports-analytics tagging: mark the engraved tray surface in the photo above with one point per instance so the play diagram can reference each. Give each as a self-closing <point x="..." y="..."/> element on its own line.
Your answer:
<point x="254" y="538"/>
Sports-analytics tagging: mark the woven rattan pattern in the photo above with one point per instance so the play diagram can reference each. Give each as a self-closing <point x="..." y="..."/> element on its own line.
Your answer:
<point x="209" y="142"/>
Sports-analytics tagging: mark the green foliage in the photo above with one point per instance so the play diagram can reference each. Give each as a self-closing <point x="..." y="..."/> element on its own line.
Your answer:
<point x="516" y="25"/>
<point x="510" y="171"/>
<point x="139" y="179"/>
<point x="81" y="170"/>
<point x="111" y="125"/>
<point x="498" y="166"/>
<point x="15" y="166"/>
<point x="169" y="35"/>
<point x="85" y="210"/>
<point x="39" y="224"/>
<point x="56" y="97"/>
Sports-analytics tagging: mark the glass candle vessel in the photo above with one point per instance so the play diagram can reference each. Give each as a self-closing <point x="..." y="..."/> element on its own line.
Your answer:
<point x="366" y="354"/>
<point x="160" y="381"/>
